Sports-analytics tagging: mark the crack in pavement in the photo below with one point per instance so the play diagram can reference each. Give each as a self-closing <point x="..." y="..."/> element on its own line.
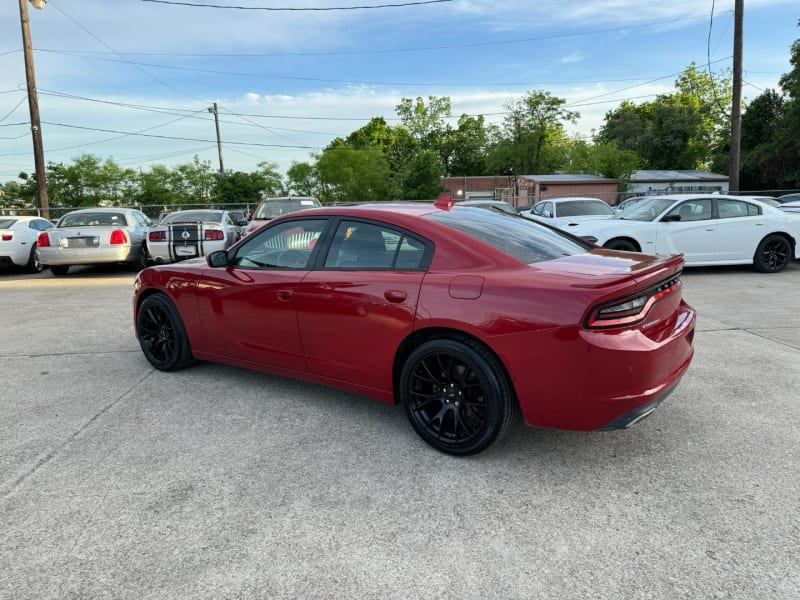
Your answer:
<point x="55" y="451"/>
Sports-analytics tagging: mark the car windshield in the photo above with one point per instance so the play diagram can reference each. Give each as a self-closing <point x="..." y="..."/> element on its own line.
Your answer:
<point x="7" y="223"/>
<point x="106" y="219"/>
<point x="521" y="238"/>
<point x="193" y="216"/>
<point x="275" y="208"/>
<point x="577" y="208"/>
<point x="646" y="210"/>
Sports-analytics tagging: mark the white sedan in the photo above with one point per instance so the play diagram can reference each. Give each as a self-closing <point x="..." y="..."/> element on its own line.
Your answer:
<point x="565" y="213"/>
<point x="791" y="207"/>
<point x="18" y="235"/>
<point x="191" y="233"/>
<point x="708" y="229"/>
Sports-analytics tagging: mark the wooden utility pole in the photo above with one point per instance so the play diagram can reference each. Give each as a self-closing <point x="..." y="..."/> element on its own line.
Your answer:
<point x="33" y="105"/>
<point x="213" y="109"/>
<point x="736" y="108"/>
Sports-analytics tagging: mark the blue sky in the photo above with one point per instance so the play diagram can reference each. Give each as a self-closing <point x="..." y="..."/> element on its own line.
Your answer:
<point x="288" y="82"/>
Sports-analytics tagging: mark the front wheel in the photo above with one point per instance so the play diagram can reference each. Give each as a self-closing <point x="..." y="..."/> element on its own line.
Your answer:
<point x="619" y="244"/>
<point x="772" y="254"/>
<point x="162" y="335"/>
<point x="457" y="396"/>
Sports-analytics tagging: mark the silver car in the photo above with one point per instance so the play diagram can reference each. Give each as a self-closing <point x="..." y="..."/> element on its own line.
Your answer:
<point x="95" y="236"/>
<point x="191" y="233"/>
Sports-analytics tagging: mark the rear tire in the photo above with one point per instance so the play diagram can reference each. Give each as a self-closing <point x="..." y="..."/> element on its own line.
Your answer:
<point x="59" y="270"/>
<point x="34" y="264"/>
<point x="162" y="335"/>
<point x="457" y="396"/>
<point x="141" y="260"/>
<point x="773" y="254"/>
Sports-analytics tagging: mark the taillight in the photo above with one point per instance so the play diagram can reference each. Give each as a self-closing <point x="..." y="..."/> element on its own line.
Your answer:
<point x="214" y="235"/>
<point x="7" y="237"/>
<point x="157" y="236"/>
<point x="43" y="241"/>
<point x="630" y="310"/>
<point x="118" y="236"/>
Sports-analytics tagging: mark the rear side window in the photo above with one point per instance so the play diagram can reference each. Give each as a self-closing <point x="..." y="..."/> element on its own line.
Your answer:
<point x="525" y="240"/>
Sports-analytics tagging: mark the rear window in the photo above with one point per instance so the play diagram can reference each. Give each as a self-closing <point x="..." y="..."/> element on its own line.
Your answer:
<point x="578" y="208"/>
<point x="88" y="218"/>
<point x="7" y="223"/>
<point x="521" y="238"/>
<point x="269" y="209"/>
<point x="193" y="216"/>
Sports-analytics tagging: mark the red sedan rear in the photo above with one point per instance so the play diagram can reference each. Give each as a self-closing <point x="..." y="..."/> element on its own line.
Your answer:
<point x="464" y="316"/>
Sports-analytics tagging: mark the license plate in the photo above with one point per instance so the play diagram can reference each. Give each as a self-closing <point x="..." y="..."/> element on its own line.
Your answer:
<point x="185" y="250"/>
<point x="82" y="242"/>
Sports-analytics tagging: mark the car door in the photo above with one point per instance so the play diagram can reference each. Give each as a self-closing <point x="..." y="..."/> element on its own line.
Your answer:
<point x="689" y="229"/>
<point x="249" y="309"/>
<point x="740" y="227"/>
<point x="355" y="310"/>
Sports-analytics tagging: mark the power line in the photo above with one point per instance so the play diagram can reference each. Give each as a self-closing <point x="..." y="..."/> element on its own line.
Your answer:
<point x="330" y="8"/>
<point x="503" y="42"/>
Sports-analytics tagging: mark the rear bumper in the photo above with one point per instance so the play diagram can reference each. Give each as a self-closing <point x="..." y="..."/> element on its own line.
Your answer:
<point x="87" y="256"/>
<point x="582" y="380"/>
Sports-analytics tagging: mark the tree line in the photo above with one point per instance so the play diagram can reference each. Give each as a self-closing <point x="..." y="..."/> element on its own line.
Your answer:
<point x="688" y="128"/>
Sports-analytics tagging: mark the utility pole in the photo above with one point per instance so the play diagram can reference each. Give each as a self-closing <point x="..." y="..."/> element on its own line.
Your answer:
<point x="736" y="109"/>
<point x="213" y="109"/>
<point x="33" y="105"/>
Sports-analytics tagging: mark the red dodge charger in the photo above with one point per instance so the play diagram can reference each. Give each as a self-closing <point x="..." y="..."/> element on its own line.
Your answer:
<point x="464" y="316"/>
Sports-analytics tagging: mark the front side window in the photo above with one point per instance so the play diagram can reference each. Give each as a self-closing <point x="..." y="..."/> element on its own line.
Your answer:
<point x="692" y="210"/>
<point x="361" y="245"/>
<point x="288" y="245"/>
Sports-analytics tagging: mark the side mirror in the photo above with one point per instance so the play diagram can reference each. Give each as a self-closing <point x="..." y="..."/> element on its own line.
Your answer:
<point x="243" y="222"/>
<point x="218" y="259"/>
<point x="669" y="218"/>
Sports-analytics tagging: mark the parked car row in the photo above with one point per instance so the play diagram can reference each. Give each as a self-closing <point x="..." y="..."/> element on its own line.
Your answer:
<point x="128" y="237"/>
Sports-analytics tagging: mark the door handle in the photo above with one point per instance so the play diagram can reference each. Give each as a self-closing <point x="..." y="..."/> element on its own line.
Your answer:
<point x="285" y="295"/>
<point x="395" y="295"/>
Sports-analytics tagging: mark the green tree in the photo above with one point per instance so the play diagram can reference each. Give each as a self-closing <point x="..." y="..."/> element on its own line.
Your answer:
<point x="427" y="124"/>
<point x="530" y="139"/>
<point x="603" y="159"/>
<point x="468" y="146"/>
<point x="349" y="175"/>
<point x="761" y="160"/>
<point x="302" y="179"/>
<point x="196" y="182"/>
<point x="423" y="179"/>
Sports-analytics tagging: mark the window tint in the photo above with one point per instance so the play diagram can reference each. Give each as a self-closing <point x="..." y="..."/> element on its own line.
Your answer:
<point x="7" y="223"/>
<point x="89" y="218"/>
<point x="576" y="208"/>
<point x="692" y="210"/>
<point x="729" y="209"/>
<point x="522" y="239"/>
<point x="193" y="216"/>
<point x="39" y="224"/>
<point x="359" y="245"/>
<point x="288" y="245"/>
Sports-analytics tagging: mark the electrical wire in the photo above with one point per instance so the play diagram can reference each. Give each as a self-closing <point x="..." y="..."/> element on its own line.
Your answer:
<point x="198" y="5"/>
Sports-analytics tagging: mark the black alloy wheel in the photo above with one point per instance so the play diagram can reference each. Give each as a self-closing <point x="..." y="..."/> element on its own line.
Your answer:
<point x="162" y="335"/>
<point x="773" y="254"/>
<point x="623" y="245"/>
<point x="457" y="396"/>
